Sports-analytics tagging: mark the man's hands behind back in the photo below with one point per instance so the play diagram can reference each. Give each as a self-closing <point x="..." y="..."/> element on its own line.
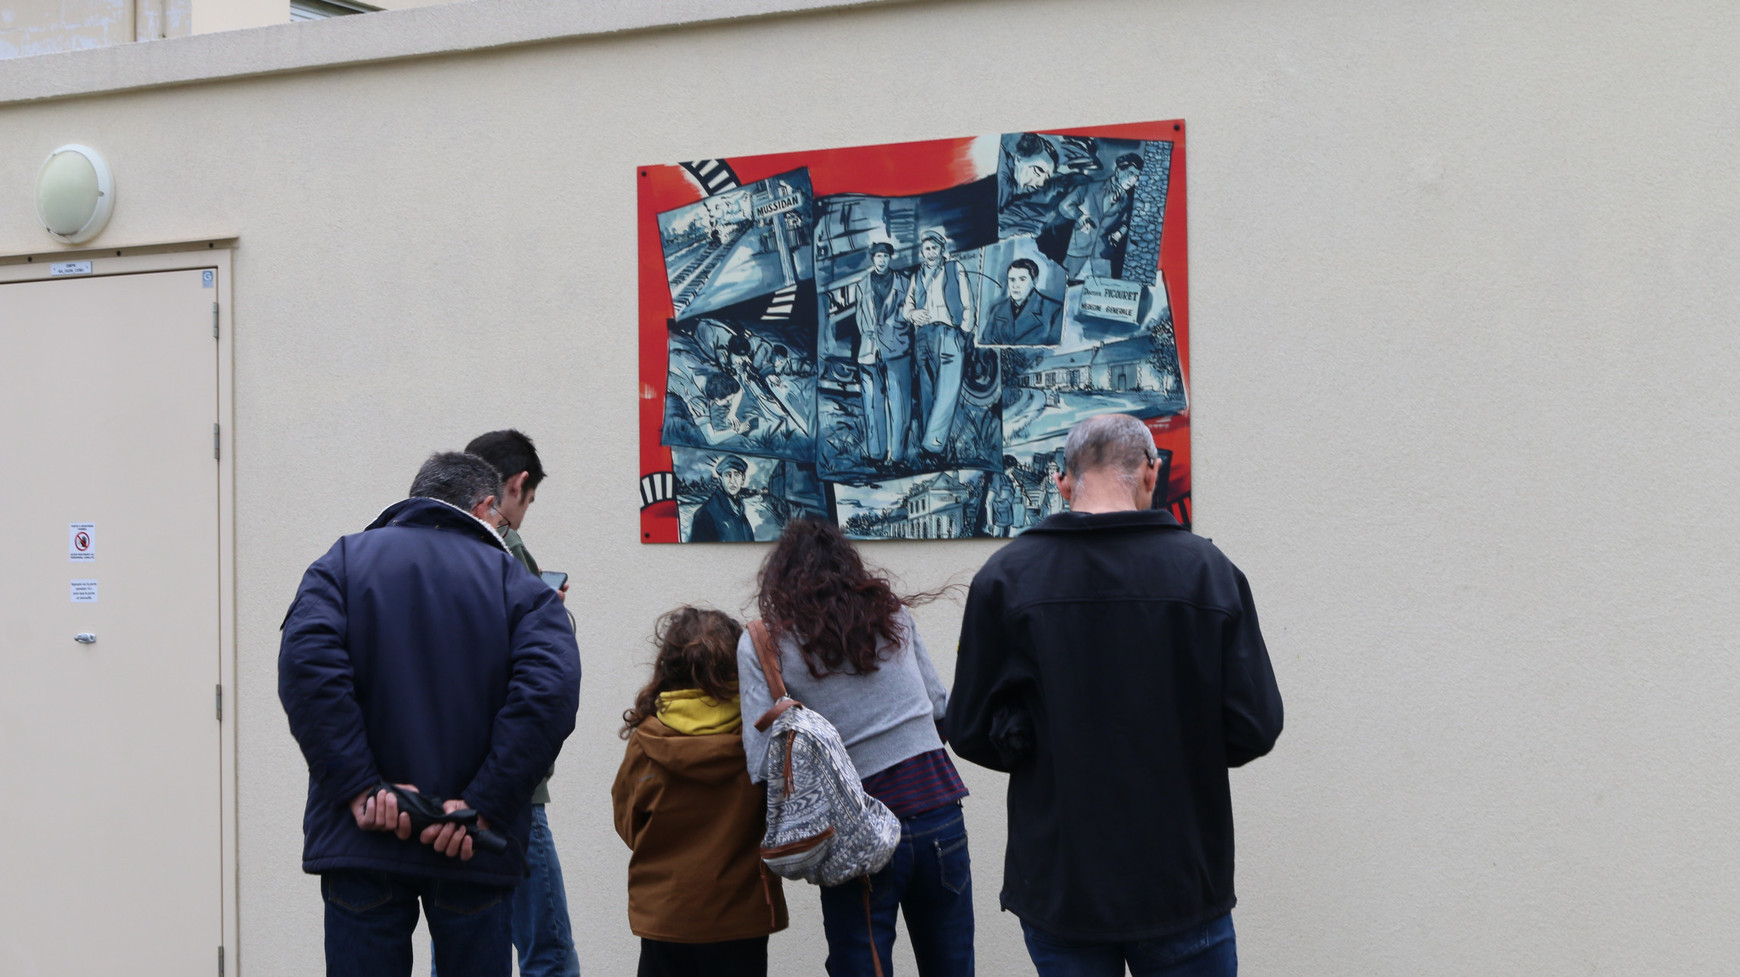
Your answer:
<point x="379" y="811"/>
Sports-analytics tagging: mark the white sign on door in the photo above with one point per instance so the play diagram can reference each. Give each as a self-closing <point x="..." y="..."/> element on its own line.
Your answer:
<point x="84" y="591"/>
<point x="81" y="542"/>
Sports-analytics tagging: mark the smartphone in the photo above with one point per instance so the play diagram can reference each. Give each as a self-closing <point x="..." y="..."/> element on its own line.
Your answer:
<point x="555" y="578"/>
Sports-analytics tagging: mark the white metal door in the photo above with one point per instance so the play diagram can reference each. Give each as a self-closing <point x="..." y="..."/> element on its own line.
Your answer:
<point x="110" y="779"/>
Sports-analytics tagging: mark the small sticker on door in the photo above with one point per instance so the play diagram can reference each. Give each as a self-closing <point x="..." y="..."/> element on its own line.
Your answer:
<point x="84" y="591"/>
<point x="81" y="542"/>
<point x="207" y="278"/>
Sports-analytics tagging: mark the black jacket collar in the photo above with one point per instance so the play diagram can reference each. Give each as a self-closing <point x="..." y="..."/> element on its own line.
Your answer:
<point x="1071" y="522"/>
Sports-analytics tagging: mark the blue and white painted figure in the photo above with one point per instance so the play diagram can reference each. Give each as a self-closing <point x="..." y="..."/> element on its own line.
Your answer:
<point x="735" y="383"/>
<point x="1023" y="315"/>
<point x="939" y="302"/>
<point x="884" y="357"/>
<point x="1101" y="213"/>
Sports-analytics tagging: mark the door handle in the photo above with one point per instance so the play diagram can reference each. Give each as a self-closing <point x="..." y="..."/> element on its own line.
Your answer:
<point x="85" y="638"/>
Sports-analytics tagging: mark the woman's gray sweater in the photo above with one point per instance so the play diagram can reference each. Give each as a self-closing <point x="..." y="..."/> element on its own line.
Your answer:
<point x="884" y="716"/>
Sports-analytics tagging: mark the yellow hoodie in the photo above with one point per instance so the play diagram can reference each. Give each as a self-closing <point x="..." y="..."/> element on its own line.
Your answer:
<point x="693" y="712"/>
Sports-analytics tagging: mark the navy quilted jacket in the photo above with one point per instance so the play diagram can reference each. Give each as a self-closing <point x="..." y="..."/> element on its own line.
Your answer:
<point x="420" y="651"/>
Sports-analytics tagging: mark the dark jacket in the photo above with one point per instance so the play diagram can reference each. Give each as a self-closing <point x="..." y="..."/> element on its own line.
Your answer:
<point x="686" y="808"/>
<point x="1113" y="665"/>
<point x="721" y="520"/>
<point x="883" y="333"/>
<point x="1039" y="323"/>
<point x="420" y="651"/>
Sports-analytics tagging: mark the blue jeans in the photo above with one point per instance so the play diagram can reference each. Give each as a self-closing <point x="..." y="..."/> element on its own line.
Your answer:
<point x="370" y="917"/>
<point x="542" y="934"/>
<point x="930" y="881"/>
<point x="1205" y="950"/>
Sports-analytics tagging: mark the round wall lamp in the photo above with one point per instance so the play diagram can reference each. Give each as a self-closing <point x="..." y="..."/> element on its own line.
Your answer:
<point x="75" y="192"/>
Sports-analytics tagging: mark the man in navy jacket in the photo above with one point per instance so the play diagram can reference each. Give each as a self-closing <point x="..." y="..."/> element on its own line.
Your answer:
<point x="1112" y="664"/>
<point x="419" y="652"/>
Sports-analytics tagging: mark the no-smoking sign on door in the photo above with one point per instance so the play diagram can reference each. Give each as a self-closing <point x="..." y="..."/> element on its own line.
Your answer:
<point x="81" y="542"/>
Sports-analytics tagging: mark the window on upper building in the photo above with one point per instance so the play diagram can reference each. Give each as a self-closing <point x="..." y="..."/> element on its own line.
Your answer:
<point x="322" y="9"/>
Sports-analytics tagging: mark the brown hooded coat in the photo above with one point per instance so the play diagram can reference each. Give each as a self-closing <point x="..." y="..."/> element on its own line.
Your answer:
<point x="686" y="808"/>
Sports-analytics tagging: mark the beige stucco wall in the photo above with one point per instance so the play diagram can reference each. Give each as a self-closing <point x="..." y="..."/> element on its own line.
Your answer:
<point x="1462" y="294"/>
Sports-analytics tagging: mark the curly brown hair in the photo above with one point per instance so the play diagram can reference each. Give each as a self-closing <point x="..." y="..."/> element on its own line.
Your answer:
<point x="814" y="587"/>
<point x="697" y="650"/>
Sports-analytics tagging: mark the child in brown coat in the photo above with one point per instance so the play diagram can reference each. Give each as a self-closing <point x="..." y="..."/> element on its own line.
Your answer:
<point x="697" y="894"/>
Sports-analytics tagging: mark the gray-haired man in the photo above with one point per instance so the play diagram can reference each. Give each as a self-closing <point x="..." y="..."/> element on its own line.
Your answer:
<point x="1112" y="618"/>
<point x="419" y="653"/>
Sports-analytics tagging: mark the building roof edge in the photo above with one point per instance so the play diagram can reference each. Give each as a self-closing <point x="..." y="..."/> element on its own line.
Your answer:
<point x="417" y="32"/>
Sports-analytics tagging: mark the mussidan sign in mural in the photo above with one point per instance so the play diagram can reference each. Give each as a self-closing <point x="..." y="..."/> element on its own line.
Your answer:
<point x="898" y="338"/>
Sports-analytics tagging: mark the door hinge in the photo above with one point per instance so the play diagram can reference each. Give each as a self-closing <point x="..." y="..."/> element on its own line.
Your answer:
<point x="214" y="320"/>
<point x="220" y="716"/>
<point x="216" y="432"/>
<point x="220" y="961"/>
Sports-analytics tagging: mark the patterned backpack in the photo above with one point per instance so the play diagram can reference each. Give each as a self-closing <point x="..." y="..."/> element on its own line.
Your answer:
<point x="821" y="826"/>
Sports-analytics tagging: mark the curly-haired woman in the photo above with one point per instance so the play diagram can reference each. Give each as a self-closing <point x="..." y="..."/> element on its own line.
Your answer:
<point x="848" y="649"/>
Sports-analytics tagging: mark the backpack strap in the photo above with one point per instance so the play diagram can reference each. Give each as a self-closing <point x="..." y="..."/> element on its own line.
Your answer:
<point x="870" y="925"/>
<point x="767" y="893"/>
<point x="769" y="659"/>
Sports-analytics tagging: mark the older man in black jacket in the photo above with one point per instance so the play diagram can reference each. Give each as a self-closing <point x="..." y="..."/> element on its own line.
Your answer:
<point x="420" y="653"/>
<point x="1111" y="662"/>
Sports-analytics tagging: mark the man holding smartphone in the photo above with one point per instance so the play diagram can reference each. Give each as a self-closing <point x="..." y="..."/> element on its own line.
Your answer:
<point x="542" y="934"/>
<point x="514" y="456"/>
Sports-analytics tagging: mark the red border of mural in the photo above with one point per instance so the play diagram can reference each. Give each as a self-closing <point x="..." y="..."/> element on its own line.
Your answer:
<point x="890" y="169"/>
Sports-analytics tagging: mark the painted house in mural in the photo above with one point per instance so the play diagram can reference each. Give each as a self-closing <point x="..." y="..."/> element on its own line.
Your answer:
<point x="935" y="508"/>
<point x="1125" y="365"/>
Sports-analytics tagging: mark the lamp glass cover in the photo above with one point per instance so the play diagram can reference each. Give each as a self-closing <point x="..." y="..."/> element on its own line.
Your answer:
<point x="67" y="193"/>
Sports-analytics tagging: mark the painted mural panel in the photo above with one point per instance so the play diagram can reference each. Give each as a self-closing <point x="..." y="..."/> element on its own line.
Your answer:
<point x="900" y="337"/>
<point x="723" y="497"/>
<point x="747" y="241"/>
<point x="738" y="379"/>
